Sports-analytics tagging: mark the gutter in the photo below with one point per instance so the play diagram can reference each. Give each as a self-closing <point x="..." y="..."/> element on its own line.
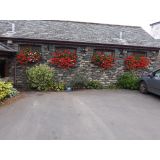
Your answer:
<point x="28" y="40"/>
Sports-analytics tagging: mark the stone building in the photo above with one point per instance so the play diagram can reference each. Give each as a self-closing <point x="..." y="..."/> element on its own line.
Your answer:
<point x="85" y="38"/>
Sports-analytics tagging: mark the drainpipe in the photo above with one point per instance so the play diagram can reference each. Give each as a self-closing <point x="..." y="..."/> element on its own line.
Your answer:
<point x="15" y="72"/>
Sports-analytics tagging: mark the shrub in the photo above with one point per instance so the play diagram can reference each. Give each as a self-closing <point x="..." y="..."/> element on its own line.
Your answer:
<point x="40" y="77"/>
<point x="79" y="82"/>
<point x="128" y="80"/>
<point x="13" y="92"/>
<point x="6" y="90"/>
<point x="113" y="86"/>
<point x="59" y="86"/>
<point x="94" y="85"/>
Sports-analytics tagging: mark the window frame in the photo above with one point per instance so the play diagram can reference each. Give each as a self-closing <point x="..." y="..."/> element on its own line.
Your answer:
<point x="156" y="72"/>
<point x="65" y="47"/>
<point x="31" y="46"/>
<point x="135" y="53"/>
<point x="104" y="50"/>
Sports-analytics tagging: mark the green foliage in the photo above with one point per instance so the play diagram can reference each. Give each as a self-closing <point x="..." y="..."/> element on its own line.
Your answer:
<point x="128" y="80"/>
<point x="78" y="82"/>
<point x="94" y="85"/>
<point x="13" y="93"/>
<point x="112" y="86"/>
<point x="6" y="90"/>
<point x="40" y="77"/>
<point x="59" y="86"/>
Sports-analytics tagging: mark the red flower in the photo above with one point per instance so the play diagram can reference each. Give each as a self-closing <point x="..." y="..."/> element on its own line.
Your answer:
<point x="132" y="62"/>
<point x="64" y="59"/>
<point x="28" y="57"/>
<point x="21" y="58"/>
<point x="103" y="61"/>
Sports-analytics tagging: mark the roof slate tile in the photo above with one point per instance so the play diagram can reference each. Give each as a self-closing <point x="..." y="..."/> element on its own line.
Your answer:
<point x="78" y="32"/>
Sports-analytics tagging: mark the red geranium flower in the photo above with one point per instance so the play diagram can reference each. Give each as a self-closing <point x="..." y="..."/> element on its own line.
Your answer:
<point x="64" y="59"/>
<point x="102" y="60"/>
<point x="132" y="62"/>
<point x="24" y="57"/>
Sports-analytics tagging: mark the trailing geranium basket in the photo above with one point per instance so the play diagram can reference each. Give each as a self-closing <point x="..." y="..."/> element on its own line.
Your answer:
<point x="24" y="57"/>
<point x="102" y="60"/>
<point x="64" y="58"/>
<point x="133" y="62"/>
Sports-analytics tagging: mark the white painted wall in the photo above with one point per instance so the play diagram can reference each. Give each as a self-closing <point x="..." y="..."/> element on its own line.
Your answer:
<point x="155" y="31"/>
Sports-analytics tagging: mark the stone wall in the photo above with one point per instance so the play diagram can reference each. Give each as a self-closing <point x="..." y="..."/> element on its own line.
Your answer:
<point x="89" y="70"/>
<point x="84" y="67"/>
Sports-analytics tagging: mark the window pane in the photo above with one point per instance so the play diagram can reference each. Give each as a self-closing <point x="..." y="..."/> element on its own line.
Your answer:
<point x="31" y="48"/>
<point x="63" y="48"/>
<point x="157" y="74"/>
<point x="137" y="53"/>
<point x="105" y="51"/>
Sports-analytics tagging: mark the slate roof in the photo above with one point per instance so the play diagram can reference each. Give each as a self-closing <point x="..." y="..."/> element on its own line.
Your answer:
<point x="78" y="32"/>
<point x="155" y="23"/>
<point x="156" y="43"/>
<point x="5" y="48"/>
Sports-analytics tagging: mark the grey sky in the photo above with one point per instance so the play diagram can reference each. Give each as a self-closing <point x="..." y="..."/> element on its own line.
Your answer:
<point x="127" y="12"/>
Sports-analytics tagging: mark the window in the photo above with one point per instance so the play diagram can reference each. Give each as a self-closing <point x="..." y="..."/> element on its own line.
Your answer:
<point x="33" y="48"/>
<point x="137" y="53"/>
<point x="64" y="57"/>
<point x="157" y="74"/>
<point x="66" y="48"/>
<point x="107" y="52"/>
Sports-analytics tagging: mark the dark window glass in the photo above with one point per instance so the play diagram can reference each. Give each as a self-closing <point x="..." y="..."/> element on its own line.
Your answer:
<point x="137" y="53"/>
<point x="65" y="48"/>
<point x="33" y="48"/>
<point x="105" y="51"/>
<point x="2" y="68"/>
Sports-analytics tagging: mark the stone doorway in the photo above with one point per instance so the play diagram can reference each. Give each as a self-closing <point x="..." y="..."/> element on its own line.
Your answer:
<point x="2" y="68"/>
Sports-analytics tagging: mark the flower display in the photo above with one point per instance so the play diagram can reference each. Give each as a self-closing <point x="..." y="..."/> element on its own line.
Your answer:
<point x="133" y="62"/>
<point x="21" y="58"/>
<point x="64" y="58"/>
<point x="24" y="57"/>
<point x="102" y="60"/>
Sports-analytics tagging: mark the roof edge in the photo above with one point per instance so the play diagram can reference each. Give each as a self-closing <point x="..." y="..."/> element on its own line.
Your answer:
<point x="152" y="24"/>
<point x="77" y="43"/>
<point x="6" y="48"/>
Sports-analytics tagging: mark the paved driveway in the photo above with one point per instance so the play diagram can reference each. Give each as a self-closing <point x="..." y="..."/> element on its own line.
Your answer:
<point x="90" y="114"/>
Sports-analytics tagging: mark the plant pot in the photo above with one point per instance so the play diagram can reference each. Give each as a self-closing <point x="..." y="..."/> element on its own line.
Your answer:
<point x="68" y="89"/>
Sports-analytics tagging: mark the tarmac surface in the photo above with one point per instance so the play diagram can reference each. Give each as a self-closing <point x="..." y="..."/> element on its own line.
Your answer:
<point x="82" y="115"/>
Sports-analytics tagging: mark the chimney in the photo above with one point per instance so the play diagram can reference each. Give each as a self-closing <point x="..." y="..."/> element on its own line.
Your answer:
<point x="13" y="27"/>
<point x="11" y="32"/>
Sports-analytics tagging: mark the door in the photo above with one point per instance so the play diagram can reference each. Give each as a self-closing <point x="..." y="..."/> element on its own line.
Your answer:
<point x="2" y="68"/>
<point x="154" y="82"/>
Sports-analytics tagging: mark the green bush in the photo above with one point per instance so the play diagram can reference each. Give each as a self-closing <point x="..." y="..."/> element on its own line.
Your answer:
<point x="40" y="77"/>
<point x="6" y="90"/>
<point x="94" y="85"/>
<point x="78" y="82"/>
<point x="128" y="80"/>
<point x="112" y="86"/>
<point x="59" y="86"/>
<point x="13" y="92"/>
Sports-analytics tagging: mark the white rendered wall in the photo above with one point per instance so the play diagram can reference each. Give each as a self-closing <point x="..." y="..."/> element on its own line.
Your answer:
<point x="155" y="31"/>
